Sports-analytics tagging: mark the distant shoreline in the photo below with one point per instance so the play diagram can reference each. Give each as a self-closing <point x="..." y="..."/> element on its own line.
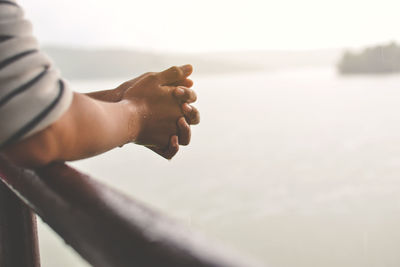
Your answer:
<point x="81" y="64"/>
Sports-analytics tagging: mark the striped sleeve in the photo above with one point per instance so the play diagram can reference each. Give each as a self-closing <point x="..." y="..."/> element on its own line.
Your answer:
<point x="32" y="94"/>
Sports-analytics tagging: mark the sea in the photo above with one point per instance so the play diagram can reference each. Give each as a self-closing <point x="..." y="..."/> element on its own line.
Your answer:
<point x="294" y="167"/>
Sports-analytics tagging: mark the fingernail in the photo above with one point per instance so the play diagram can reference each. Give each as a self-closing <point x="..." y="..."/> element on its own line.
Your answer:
<point x="180" y="91"/>
<point x="186" y="69"/>
<point x="175" y="141"/>
<point x="176" y="147"/>
<point x="187" y="107"/>
<point x="182" y="122"/>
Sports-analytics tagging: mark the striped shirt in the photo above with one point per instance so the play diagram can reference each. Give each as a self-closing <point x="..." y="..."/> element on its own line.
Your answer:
<point x="32" y="94"/>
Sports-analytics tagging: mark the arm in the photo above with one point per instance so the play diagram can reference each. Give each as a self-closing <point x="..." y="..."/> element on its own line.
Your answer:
<point x="88" y="128"/>
<point x="49" y="122"/>
<point x="115" y="95"/>
<point x="111" y="95"/>
<point x="147" y="115"/>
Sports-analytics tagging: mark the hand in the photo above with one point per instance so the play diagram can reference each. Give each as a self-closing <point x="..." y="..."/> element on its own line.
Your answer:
<point x="115" y="95"/>
<point x="185" y="82"/>
<point x="90" y="127"/>
<point x="184" y="94"/>
<point x="158" y="100"/>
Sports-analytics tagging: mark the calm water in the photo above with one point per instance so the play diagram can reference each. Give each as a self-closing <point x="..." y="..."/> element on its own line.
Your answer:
<point x="295" y="168"/>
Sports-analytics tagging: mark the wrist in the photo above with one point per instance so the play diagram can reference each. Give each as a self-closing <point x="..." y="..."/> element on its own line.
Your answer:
<point x="118" y="93"/>
<point x="132" y="120"/>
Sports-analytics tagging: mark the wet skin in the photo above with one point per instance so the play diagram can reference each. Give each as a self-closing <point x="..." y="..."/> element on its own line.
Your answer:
<point x="152" y="110"/>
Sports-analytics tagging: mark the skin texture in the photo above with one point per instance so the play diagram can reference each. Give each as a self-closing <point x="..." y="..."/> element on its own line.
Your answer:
<point x="152" y="110"/>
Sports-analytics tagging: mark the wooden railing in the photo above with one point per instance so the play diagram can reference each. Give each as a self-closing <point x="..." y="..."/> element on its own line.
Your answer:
<point x="104" y="226"/>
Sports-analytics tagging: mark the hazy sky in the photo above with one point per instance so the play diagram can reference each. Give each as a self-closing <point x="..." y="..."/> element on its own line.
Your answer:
<point x="205" y="25"/>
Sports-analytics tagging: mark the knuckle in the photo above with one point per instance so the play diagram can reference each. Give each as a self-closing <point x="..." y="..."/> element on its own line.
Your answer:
<point x="195" y="119"/>
<point x="185" y="141"/>
<point x="171" y="153"/>
<point x="183" y="124"/>
<point x="174" y="69"/>
<point x="193" y="97"/>
<point x="177" y="72"/>
<point x="184" y="132"/>
<point x="194" y="113"/>
<point x="178" y="93"/>
<point x="186" y="94"/>
<point x="151" y="76"/>
<point x="186" y="128"/>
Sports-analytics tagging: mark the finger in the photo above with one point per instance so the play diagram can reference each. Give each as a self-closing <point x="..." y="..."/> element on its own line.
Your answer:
<point x="187" y="70"/>
<point x="175" y="74"/>
<point x="170" y="152"/>
<point x="185" y="94"/>
<point x="119" y="92"/>
<point x="138" y="78"/>
<point x="185" y="83"/>
<point x="173" y="148"/>
<point x="184" y="131"/>
<point x="192" y="114"/>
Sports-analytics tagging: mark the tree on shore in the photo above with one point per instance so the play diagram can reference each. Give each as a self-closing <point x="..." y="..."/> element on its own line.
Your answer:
<point x="377" y="59"/>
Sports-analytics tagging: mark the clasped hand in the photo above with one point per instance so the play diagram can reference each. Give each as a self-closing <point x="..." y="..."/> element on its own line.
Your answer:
<point x="162" y="110"/>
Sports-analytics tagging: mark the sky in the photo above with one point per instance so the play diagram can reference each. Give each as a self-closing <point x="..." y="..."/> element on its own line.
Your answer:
<point x="214" y="25"/>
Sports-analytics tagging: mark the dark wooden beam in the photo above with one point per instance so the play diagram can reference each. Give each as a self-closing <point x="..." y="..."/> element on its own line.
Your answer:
<point x="18" y="233"/>
<point x="108" y="228"/>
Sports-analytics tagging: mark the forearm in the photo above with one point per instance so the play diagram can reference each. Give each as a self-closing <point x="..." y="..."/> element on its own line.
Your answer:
<point x="88" y="128"/>
<point x="146" y="110"/>
<point x="112" y="95"/>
